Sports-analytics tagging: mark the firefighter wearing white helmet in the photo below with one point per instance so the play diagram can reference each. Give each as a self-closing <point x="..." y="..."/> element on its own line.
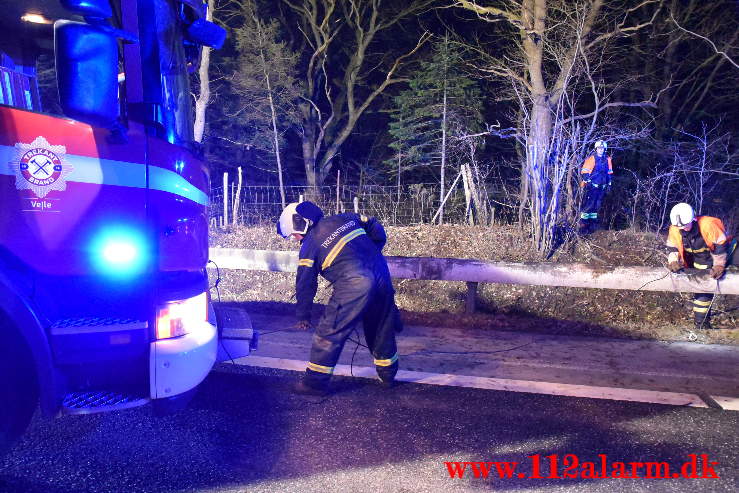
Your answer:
<point x="698" y="242"/>
<point x="295" y="223"/>
<point x="346" y="250"/>
<point x="596" y="175"/>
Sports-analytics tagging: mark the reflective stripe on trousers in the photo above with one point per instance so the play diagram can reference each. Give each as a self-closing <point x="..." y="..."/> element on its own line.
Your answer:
<point x="702" y="302"/>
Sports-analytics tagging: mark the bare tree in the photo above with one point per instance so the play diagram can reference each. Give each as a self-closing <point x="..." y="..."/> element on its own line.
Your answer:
<point x="692" y="168"/>
<point x="265" y="81"/>
<point x="555" y="65"/>
<point x="695" y="81"/>
<point x="337" y="94"/>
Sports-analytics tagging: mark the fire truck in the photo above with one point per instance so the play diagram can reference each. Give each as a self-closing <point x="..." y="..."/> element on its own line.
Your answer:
<point x="104" y="295"/>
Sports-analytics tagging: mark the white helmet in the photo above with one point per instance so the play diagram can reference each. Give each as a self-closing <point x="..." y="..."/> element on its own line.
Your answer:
<point x="601" y="143"/>
<point x="298" y="218"/>
<point x="291" y="222"/>
<point x="682" y="214"/>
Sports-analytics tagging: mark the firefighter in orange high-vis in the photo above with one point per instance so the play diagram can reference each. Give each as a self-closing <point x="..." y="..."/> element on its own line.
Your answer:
<point x="702" y="243"/>
<point x="596" y="174"/>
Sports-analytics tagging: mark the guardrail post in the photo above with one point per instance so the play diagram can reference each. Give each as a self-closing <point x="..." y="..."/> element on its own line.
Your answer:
<point x="469" y="306"/>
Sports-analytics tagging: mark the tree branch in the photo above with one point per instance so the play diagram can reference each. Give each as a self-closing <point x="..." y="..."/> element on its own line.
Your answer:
<point x="621" y="30"/>
<point x="722" y="53"/>
<point x="490" y="14"/>
<point x="643" y="104"/>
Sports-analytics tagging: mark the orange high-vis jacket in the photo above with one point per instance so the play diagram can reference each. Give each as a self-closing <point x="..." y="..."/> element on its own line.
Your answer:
<point x="589" y="164"/>
<point x="711" y="229"/>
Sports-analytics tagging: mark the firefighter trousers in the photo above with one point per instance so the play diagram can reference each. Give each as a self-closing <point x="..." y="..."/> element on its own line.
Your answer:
<point x="366" y="298"/>
<point x="591" y="204"/>
<point x="702" y="302"/>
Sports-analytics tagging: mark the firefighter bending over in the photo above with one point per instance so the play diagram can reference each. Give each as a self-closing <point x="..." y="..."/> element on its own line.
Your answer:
<point x="596" y="174"/>
<point x="699" y="242"/>
<point x="346" y="249"/>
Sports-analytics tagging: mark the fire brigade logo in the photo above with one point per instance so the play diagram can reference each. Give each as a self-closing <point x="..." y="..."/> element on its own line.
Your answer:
<point x="41" y="167"/>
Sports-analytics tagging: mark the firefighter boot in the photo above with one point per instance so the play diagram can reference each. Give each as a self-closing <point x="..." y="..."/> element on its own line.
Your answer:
<point x="313" y="383"/>
<point x="387" y="375"/>
<point x="702" y="321"/>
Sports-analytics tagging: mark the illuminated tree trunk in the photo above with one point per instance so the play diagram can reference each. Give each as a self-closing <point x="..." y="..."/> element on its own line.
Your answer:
<point x="201" y="102"/>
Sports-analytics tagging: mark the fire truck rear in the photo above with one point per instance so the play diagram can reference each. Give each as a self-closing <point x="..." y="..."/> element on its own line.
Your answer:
<point x="104" y="300"/>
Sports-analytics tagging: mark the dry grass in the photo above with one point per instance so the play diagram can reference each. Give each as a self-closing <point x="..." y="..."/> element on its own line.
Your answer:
<point x="642" y="315"/>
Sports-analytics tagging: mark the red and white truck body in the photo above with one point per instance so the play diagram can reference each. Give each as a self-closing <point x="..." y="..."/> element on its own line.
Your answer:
<point x="104" y="299"/>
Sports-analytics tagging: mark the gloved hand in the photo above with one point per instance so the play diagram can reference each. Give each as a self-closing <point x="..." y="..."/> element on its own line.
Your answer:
<point x="302" y="325"/>
<point x="717" y="271"/>
<point x="674" y="266"/>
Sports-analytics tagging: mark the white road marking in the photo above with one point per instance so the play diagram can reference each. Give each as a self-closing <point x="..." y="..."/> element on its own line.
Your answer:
<point x="488" y="383"/>
<point x="728" y="403"/>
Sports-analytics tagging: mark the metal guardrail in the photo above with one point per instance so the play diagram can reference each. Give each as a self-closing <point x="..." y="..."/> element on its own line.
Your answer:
<point x="635" y="278"/>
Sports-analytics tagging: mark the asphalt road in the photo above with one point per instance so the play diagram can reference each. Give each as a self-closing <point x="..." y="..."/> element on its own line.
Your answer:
<point x="245" y="431"/>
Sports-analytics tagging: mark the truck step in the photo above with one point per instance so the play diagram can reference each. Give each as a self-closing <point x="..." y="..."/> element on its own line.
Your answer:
<point x="100" y="401"/>
<point x="95" y="324"/>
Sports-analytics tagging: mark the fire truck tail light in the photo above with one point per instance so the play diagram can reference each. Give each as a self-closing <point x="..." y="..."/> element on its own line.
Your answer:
<point x="176" y="318"/>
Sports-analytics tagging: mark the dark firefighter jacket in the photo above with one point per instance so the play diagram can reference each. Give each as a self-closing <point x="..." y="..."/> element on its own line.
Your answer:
<point x="337" y="247"/>
<point x="696" y="247"/>
<point x="597" y="170"/>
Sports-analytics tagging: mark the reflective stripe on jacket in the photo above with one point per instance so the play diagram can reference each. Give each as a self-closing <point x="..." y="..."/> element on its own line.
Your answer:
<point x="588" y="170"/>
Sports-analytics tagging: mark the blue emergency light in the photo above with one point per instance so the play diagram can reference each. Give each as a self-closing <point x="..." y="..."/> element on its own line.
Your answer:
<point x="120" y="252"/>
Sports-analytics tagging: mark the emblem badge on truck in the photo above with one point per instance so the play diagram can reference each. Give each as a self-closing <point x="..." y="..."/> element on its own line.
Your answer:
<point x="41" y="167"/>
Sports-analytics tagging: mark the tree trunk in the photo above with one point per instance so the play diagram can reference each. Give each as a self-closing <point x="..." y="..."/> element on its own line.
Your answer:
<point x="443" y="152"/>
<point x="201" y="103"/>
<point x="275" y="133"/>
<point x="309" y="157"/>
<point x="276" y="138"/>
<point x="326" y="162"/>
<point x="443" y="133"/>
<point x="540" y="125"/>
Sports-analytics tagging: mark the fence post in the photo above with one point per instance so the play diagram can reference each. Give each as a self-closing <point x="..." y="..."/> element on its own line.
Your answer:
<point x="469" y="306"/>
<point x="237" y="201"/>
<point x="441" y="207"/>
<point x="338" y="186"/>
<point x="225" y="199"/>
<point x="467" y="194"/>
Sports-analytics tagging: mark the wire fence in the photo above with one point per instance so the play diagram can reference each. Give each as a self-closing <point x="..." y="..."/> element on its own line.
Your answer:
<point x="392" y="205"/>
